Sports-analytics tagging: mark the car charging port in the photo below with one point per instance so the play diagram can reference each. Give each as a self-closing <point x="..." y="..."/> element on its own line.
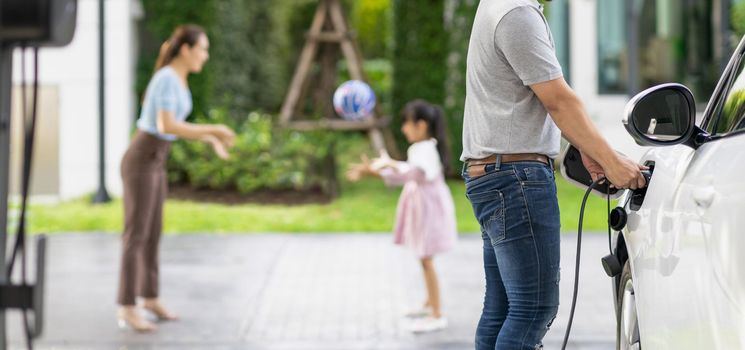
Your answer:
<point x="617" y="218"/>
<point x="637" y="195"/>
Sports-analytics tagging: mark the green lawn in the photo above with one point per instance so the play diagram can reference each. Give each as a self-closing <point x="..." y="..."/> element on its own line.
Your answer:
<point x="367" y="206"/>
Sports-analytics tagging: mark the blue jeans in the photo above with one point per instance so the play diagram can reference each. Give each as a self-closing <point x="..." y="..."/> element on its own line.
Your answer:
<point x="517" y="209"/>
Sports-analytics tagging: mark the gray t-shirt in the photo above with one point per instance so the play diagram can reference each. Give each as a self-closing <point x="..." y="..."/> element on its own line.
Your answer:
<point x="511" y="47"/>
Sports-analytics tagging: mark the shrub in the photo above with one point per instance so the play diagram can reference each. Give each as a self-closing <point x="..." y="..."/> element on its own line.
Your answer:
<point x="247" y="68"/>
<point x="161" y="18"/>
<point x="738" y="18"/>
<point x="419" y="53"/>
<point x="371" y="20"/>
<point x="264" y="157"/>
<point x="459" y="20"/>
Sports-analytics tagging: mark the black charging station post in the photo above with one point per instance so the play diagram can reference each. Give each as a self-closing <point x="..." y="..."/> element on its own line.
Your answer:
<point x="32" y="24"/>
<point x="14" y="296"/>
<point x="6" y="71"/>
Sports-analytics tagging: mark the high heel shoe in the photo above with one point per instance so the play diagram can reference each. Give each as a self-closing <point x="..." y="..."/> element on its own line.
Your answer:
<point x="161" y="313"/>
<point x="139" y="325"/>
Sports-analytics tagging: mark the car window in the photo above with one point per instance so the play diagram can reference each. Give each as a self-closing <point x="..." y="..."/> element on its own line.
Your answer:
<point x="730" y="115"/>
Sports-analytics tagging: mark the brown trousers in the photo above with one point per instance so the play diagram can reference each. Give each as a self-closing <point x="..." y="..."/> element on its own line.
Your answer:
<point x="144" y="176"/>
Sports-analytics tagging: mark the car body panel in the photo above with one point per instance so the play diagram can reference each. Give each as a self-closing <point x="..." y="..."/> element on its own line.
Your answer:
<point x="686" y="254"/>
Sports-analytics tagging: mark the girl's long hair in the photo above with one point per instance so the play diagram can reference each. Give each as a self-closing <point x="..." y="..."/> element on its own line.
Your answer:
<point x="434" y="116"/>
<point x="187" y="34"/>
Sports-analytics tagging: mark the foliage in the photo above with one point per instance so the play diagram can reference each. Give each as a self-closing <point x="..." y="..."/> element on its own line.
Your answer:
<point x="419" y="55"/>
<point x="733" y="111"/>
<point x="264" y="157"/>
<point x="297" y="18"/>
<point x="244" y="44"/>
<point x="738" y="18"/>
<point x="243" y="34"/>
<point x="371" y="20"/>
<point x="161" y="18"/>
<point x="459" y="17"/>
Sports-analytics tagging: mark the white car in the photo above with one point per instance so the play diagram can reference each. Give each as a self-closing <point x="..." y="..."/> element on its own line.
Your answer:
<point x="680" y="277"/>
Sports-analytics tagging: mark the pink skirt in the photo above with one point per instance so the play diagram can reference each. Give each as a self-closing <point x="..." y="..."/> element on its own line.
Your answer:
<point x="425" y="218"/>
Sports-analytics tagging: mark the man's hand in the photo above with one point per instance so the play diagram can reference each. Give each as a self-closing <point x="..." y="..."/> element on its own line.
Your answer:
<point x="622" y="173"/>
<point x="593" y="167"/>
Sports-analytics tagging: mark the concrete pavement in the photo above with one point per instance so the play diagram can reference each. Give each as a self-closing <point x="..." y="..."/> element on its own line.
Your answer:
<point x="295" y="291"/>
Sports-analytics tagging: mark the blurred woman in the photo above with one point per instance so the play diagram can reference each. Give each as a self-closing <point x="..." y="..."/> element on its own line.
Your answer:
<point x="166" y="105"/>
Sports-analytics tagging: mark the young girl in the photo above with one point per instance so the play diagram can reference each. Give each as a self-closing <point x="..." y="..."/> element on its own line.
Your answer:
<point x="425" y="217"/>
<point x="166" y="105"/>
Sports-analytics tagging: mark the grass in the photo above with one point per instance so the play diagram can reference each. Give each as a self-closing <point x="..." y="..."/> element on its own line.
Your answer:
<point x="367" y="206"/>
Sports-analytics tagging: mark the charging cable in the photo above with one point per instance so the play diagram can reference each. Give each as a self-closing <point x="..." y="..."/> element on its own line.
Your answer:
<point x="579" y="249"/>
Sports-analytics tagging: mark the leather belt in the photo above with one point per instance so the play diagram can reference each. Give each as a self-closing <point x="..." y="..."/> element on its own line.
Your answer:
<point x="475" y="169"/>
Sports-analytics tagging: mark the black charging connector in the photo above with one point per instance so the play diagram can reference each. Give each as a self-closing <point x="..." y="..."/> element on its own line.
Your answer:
<point x="637" y="195"/>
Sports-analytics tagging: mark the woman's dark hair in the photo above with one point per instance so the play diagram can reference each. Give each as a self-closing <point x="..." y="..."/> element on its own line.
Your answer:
<point x="434" y="116"/>
<point x="187" y="34"/>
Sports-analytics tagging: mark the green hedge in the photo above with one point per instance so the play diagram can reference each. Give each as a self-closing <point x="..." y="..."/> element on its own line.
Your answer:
<point x="264" y="157"/>
<point x="245" y="45"/>
<point x="420" y="52"/>
<point x="738" y="19"/>
<point x="371" y="20"/>
<point x="161" y="17"/>
<point x="246" y="70"/>
<point x="458" y="24"/>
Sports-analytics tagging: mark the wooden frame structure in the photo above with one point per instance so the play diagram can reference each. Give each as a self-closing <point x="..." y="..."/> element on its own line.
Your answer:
<point x="328" y="33"/>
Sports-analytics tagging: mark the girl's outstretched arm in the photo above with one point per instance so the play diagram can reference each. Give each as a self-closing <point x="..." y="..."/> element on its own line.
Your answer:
<point x="402" y="173"/>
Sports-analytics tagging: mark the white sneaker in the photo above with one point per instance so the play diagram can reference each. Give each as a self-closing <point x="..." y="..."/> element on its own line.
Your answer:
<point x="423" y="311"/>
<point x="428" y="324"/>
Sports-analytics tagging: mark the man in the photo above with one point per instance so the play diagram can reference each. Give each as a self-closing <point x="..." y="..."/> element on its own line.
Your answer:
<point x="514" y="82"/>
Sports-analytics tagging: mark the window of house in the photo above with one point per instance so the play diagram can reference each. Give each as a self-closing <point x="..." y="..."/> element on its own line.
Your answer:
<point x="675" y="43"/>
<point x="612" y="53"/>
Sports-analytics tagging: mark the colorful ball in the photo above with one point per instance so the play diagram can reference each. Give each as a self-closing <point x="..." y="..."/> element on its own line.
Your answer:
<point x="354" y="100"/>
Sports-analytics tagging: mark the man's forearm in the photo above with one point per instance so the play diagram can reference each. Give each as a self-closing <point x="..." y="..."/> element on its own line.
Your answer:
<point x="579" y="130"/>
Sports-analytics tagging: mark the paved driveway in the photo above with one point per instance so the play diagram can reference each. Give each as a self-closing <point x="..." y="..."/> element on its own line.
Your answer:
<point x="299" y="291"/>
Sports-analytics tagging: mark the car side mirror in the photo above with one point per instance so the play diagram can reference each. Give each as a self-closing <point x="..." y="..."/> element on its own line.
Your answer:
<point x="662" y="115"/>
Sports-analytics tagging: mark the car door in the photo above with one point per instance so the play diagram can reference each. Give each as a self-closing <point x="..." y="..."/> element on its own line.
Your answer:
<point x="687" y="254"/>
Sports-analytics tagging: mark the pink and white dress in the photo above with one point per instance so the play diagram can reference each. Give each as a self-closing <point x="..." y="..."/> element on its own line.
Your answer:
<point x="425" y="217"/>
